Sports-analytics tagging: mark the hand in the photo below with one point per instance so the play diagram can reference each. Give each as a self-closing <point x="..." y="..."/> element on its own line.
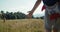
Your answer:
<point x="30" y="14"/>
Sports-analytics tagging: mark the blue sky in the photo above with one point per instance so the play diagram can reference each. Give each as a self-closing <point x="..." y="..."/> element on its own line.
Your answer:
<point x="20" y="5"/>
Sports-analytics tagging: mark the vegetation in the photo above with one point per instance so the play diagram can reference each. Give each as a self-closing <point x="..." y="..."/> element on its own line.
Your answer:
<point x="22" y="25"/>
<point x="11" y="15"/>
<point x="15" y="15"/>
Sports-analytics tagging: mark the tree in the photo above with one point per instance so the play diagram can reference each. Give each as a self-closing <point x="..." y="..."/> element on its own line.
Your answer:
<point x="2" y="15"/>
<point x="42" y="17"/>
<point x="21" y="15"/>
<point x="11" y="15"/>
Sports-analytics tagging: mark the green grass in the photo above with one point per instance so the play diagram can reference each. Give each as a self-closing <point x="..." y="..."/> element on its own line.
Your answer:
<point x="22" y="25"/>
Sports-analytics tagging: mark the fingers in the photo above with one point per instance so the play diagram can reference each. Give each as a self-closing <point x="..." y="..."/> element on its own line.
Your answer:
<point x="29" y="16"/>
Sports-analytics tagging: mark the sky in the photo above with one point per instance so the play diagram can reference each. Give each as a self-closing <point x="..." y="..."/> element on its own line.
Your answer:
<point x="20" y="5"/>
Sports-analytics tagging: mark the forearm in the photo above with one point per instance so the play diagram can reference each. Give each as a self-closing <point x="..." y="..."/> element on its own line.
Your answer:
<point x="35" y="6"/>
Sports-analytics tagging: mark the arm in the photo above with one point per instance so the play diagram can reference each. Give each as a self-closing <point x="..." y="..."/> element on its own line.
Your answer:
<point x="34" y="8"/>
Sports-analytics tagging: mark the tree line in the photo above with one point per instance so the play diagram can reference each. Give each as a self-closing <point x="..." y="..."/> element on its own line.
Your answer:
<point x="15" y="15"/>
<point x="11" y="15"/>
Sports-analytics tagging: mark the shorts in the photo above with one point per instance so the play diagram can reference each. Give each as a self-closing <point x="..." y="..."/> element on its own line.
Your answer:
<point x="49" y="24"/>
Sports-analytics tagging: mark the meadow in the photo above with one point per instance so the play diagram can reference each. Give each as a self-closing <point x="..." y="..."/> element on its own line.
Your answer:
<point x="22" y="25"/>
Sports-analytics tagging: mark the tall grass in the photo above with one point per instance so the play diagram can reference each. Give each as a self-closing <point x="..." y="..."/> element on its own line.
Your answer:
<point x="22" y="25"/>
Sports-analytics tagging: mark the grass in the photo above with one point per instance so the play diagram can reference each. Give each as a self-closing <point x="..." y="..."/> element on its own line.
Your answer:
<point x="22" y="25"/>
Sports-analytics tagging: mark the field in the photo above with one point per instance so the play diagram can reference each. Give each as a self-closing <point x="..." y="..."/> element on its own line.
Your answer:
<point x="22" y="25"/>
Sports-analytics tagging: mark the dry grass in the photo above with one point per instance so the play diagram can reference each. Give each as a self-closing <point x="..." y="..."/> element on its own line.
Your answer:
<point x="22" y="25"/>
